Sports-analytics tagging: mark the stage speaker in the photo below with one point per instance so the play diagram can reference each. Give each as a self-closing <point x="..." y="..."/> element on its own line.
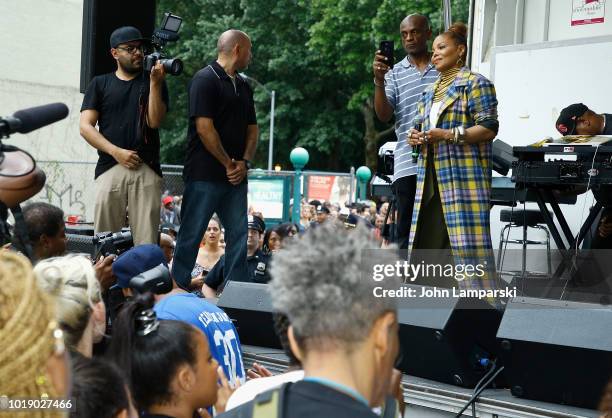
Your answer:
<point x="249" y="307"/>
<point x="557" y="351"/>
<point x="447" y="339"/>
<point x="78" y="243"/>
<point x="100" y="19"/>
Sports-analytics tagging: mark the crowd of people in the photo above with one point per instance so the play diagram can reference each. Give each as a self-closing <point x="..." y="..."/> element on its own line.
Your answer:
<point x="176" y="354"/>
<point x="82" y="329"/>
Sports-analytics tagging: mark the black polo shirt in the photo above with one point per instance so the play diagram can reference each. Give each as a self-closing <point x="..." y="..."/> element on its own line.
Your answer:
<point x="212" y="94"/>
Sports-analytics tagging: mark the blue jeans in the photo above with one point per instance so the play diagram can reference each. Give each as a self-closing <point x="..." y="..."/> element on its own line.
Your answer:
<point x="200" y="200"/>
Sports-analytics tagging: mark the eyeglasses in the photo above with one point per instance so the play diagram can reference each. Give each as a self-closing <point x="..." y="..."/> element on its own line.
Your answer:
<point x="131" y="49"/>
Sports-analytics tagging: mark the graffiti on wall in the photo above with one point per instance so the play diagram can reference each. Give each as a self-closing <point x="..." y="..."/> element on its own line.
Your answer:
<point x="70" y="187"/>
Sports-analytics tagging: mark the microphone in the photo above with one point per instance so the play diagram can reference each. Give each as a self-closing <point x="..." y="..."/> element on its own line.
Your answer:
<point x="28" y="120"/>
<point x="416" y="149"/>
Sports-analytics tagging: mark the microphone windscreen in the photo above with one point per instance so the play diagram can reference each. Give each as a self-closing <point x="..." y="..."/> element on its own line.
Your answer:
<point x="39" y="116"/>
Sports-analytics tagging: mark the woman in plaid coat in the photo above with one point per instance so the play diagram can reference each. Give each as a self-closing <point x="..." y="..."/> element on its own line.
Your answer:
<point x="458" y="116"/>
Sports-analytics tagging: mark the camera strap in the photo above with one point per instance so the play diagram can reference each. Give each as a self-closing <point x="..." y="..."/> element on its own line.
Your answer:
<point x="143" y="109"/>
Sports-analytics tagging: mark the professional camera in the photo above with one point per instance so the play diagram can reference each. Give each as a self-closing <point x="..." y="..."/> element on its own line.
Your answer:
<point x="157" y="280"/>
<point x="167" y="32"/>
<point x="108" y="243"/>
<point x="386" y="159"/>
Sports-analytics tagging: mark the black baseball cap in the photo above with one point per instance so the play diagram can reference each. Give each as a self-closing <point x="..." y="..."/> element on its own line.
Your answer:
<point x="256" y="223"/>
<point x="322" y="209"/>
<point x="566" y="123"/>
<point x="125" y="34"/>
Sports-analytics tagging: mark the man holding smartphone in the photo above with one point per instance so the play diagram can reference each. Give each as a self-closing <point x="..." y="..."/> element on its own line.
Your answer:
<point x="397" y="90"/>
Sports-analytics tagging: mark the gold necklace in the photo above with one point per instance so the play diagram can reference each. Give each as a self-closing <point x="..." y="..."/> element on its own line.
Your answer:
<point x="446" y="79"/>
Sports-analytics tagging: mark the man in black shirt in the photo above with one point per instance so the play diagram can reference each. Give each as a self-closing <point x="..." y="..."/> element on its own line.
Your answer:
<point x="257" y="262"/>
<point x="222" y="138"/>
<point x="128" y="105"/>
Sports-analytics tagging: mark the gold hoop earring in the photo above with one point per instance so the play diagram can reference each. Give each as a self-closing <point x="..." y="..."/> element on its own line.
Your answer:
<point x="460" y="62"/>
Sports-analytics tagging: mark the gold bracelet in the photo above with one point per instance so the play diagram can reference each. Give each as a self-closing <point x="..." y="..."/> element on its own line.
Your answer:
<point x="378" y="85"/>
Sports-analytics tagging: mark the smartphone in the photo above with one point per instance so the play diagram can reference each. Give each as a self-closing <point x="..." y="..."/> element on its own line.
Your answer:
<point x="386" y="49"/>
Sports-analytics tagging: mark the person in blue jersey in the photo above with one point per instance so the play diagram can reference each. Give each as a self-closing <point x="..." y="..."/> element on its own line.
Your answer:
<point x="183" y="306"/>
<point x="397" y="90"/>
<point x="222" y="336"/>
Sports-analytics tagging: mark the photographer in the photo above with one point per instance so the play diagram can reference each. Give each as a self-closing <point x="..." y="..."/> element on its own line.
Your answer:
<point x="128" y="105"/>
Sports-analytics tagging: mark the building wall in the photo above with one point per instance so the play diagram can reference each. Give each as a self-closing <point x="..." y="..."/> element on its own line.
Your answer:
<point x="560" y="27"/>
<point x="516" y="22"/>
<point x="544" y="66"/>
<point x="41" y="64"/>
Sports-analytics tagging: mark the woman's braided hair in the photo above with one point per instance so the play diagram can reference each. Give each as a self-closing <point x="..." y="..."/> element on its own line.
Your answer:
<point x="26" y="334"/>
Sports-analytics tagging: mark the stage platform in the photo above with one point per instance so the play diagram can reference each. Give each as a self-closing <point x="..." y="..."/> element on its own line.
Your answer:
<point x="429" y="399"/>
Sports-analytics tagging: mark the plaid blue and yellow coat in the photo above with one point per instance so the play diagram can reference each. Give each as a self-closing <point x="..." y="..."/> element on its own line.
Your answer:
<point x="463" y="171"/>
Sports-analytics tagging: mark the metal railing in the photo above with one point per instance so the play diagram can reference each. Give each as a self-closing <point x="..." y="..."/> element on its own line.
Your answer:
<point x="70" y="184"/>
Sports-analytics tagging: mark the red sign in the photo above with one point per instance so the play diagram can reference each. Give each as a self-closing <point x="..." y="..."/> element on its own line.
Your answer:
<point x="320" y="187"/>
<point x="586" y="12"/>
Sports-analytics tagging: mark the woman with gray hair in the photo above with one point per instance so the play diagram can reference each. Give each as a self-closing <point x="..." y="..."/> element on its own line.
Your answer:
<point x="80" y="311"/>
<point x="344" y="336"/>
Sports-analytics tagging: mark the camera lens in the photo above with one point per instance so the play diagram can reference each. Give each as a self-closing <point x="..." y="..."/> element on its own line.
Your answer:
<point x="173" y="66"/>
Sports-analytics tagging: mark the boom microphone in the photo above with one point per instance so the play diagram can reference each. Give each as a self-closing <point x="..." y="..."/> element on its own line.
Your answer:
<point x="28" y="120"/>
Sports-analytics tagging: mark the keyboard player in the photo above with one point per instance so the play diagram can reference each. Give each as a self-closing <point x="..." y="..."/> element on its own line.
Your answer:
<point x="578" y="119"/>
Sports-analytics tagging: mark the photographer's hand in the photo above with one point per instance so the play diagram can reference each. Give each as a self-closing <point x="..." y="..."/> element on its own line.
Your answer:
<point x="158" y="74"/>
<point x="156" y="110"/>
<point x="104" y="272"/>
<point x="127" y="158"/>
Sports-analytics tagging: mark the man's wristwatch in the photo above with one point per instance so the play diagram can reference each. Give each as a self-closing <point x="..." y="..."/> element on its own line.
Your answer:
<point x="248" y="164"/>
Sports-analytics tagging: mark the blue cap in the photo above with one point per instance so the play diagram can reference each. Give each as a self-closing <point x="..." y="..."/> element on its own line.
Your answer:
<point x="136" y="261"/>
